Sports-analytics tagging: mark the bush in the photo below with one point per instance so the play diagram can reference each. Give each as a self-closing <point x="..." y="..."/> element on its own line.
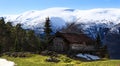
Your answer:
<point x="52" y="59"/>
<point x="67" y="60"/>
<point x="18" y="54"/>
<point x="49" y="53"/>
<point x="46" y="52"/>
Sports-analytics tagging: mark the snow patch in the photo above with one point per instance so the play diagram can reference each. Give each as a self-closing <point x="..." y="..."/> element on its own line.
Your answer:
<point x="4" y="62"/>
<point x="88" y="56"/>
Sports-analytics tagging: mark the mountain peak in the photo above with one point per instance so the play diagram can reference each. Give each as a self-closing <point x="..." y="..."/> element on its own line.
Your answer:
<point x="36" y="17"/>
<point x="60" y="9"/>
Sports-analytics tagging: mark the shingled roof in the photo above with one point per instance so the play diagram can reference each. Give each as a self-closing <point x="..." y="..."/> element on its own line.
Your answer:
<point x="75" y="38"/>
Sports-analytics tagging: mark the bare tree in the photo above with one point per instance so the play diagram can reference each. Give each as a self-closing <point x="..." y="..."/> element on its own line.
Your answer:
<point x="72" y="28"/>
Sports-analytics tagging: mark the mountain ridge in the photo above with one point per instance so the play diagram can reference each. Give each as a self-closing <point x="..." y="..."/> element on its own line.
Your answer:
<point x="92" y="19"/>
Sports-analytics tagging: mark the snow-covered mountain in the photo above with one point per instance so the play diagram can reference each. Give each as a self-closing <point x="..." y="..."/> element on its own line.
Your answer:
<point x="92" y="19"/>
<point x="106" y="21"/>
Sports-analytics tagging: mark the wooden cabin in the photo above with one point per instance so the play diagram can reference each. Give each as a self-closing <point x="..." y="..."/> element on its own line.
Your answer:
<point x="72" y="41"/>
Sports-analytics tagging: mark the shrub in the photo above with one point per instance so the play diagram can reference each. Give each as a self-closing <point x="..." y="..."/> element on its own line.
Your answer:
<point x="18" y="54"/>
<point x="49" y="53"/>
<point x="52" y="59"/>
<point x="67" y="60"/>
<point x="46" y="52"/>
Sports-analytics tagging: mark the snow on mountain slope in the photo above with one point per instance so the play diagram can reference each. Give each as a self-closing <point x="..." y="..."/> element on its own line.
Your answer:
<point x="59" y="16"/>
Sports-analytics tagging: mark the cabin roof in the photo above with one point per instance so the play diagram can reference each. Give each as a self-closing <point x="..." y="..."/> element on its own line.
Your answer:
<point x="75" y="38"/>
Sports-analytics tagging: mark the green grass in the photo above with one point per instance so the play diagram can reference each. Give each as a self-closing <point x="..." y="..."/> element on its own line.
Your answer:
<point x="39" y="60"/>
<point x="102" y="63"/>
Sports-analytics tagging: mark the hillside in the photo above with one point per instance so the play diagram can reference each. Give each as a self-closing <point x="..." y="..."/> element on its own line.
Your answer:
<point x="39" y="60"/>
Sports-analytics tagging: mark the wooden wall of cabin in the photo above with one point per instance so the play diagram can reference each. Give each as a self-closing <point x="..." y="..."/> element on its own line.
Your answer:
<point x="82" y="47"/>
<point x="59" y="44"/>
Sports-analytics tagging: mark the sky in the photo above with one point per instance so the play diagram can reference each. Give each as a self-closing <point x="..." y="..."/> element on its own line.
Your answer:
<point x="10" y="7"/>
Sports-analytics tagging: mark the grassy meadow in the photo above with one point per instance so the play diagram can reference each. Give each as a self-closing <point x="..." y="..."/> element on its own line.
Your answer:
<point x="39" y="60"/>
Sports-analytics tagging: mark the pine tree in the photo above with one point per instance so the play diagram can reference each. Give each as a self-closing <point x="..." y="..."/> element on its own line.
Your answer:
<point x="9" y="40"/>
<point x="98" y="41"/>
<point x="18" y="38"/>
<point x="2" y="27"/>
<point x="15" y="38"/>
<point x="38" y="46"/>
<point x="0" y="49"/>
<point x="17" y="46"/>
<point x="2" y="33"/>
<point x="47" y="31"/>
<point x="30" y="40"/>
